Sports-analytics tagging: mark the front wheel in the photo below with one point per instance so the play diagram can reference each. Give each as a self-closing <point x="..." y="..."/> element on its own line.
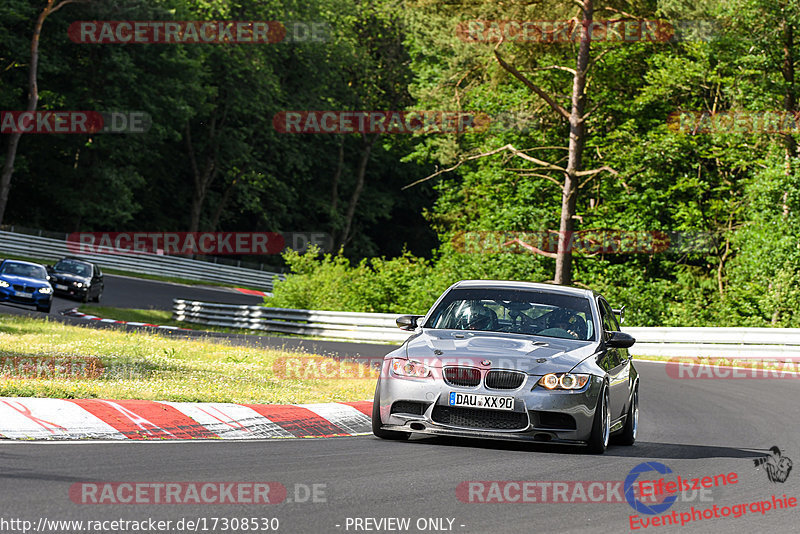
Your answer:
<point x="601" y="427"/>
<point x="628" y="435"/>
<point x="43" y="309"/>
<point x="376" y="422"/>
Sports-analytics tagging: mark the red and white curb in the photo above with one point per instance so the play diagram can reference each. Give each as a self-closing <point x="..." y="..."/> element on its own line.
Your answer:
<point x="73" y="312"/>
<point x="253" y="292"/>
<point x="30" y="418"/>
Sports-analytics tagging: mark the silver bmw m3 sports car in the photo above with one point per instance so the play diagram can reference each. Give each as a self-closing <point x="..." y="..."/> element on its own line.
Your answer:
<point x="512" y="361"/>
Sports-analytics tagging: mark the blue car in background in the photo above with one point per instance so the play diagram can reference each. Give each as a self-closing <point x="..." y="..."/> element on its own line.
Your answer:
<point x="23" y="282"/>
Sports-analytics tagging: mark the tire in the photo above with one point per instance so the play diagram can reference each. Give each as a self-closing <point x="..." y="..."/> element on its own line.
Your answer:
<point x="97" y="298"/>
<point x="629" y="431"/>
<point x="598" y="441"/>
<point x="45" y="309"/>
<point x="376" y="422"/>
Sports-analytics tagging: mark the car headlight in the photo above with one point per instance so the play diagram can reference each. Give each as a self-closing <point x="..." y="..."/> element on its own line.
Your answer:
<point x="564" y="381"/>
<point x="46" y="290"/>
<point x="410" y="368"/>
<point x="78" y="284"/>
<point x="3" y="283"/>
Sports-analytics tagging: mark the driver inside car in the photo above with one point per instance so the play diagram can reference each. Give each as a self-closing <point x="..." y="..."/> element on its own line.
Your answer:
<point x="476" y="316"/>
<point x="570" y="322"/>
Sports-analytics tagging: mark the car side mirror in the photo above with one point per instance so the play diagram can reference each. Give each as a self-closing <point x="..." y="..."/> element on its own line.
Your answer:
<point x="408" y="322"/>
<point x="619" y="340"/>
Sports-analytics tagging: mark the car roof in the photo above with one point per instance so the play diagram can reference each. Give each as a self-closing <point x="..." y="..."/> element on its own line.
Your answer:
<point x="73" y="258"/>
<point x="23" y="262"/>
<point x="510" y="284"/>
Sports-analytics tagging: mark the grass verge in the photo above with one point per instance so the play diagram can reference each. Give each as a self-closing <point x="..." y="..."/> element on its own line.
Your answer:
<point x="35" y="356"/>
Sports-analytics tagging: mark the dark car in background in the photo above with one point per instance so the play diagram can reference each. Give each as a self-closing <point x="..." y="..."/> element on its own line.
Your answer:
<point x="24" y="282"/>
<point x="77" y="278"/>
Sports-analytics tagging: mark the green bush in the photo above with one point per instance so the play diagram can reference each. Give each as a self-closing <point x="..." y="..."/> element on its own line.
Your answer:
<point x="330" y="282"/>
<point x="758" y="288"/>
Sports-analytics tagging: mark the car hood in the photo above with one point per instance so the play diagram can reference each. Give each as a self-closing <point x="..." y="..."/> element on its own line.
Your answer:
<point x="536" y="355"/>
<point x="24" y="280"/>
<point x="68" y="277"/>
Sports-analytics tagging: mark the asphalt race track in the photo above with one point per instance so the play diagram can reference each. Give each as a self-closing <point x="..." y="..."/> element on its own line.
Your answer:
<point x="696" y="428"/>
<point x="139" y="293"/>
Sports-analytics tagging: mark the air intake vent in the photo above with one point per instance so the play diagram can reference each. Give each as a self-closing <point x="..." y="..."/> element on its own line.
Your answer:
<point x="477" y="418"/>
<point x="554" y="420"/>
<point x="462" y="376"/>
<point x="504" y="379"/>
<point x="410" y="407"/>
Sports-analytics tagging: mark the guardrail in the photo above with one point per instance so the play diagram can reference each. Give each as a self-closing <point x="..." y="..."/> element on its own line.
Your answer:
<point x="154" y="264"/>
<point x="750" y="343"/>
<point x="768" y="343"/>
<point x="373" y="327"/>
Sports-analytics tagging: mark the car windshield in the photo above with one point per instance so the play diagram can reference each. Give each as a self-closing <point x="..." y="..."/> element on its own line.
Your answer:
<point x="73" y="267"/>
<point x="515" y="311"/>
<point x="24" y="269"/>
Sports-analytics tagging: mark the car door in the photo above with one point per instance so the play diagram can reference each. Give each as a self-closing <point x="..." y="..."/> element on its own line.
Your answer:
<point x="97" y="280"/>
<point x="618" y="364"/>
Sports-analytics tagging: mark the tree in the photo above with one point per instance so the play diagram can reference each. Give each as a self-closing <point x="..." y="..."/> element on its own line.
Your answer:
<point x="769" y="58"/>
<point x="241" y="88"/>
<point x="33" y="99"/>
<point x="378" y="81"/>
<point x="576" y="117"/>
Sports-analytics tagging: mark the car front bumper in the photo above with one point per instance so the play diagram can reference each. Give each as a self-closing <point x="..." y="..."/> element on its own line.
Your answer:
<point x="71" y="291"/>
<point x="41" y="300"/>
<point x="539" y="414"/>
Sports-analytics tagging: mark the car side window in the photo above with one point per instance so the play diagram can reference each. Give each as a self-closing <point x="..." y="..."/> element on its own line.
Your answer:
<point x="612" y="356"/>
<point x="609" y="321"/>
<point x="97" y="272"/>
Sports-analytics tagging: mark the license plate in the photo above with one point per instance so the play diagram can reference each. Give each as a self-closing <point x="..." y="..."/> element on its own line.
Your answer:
<point x="23" y="294"/>
<point x="490" y="402"/>
<point x="59" y="286"/>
